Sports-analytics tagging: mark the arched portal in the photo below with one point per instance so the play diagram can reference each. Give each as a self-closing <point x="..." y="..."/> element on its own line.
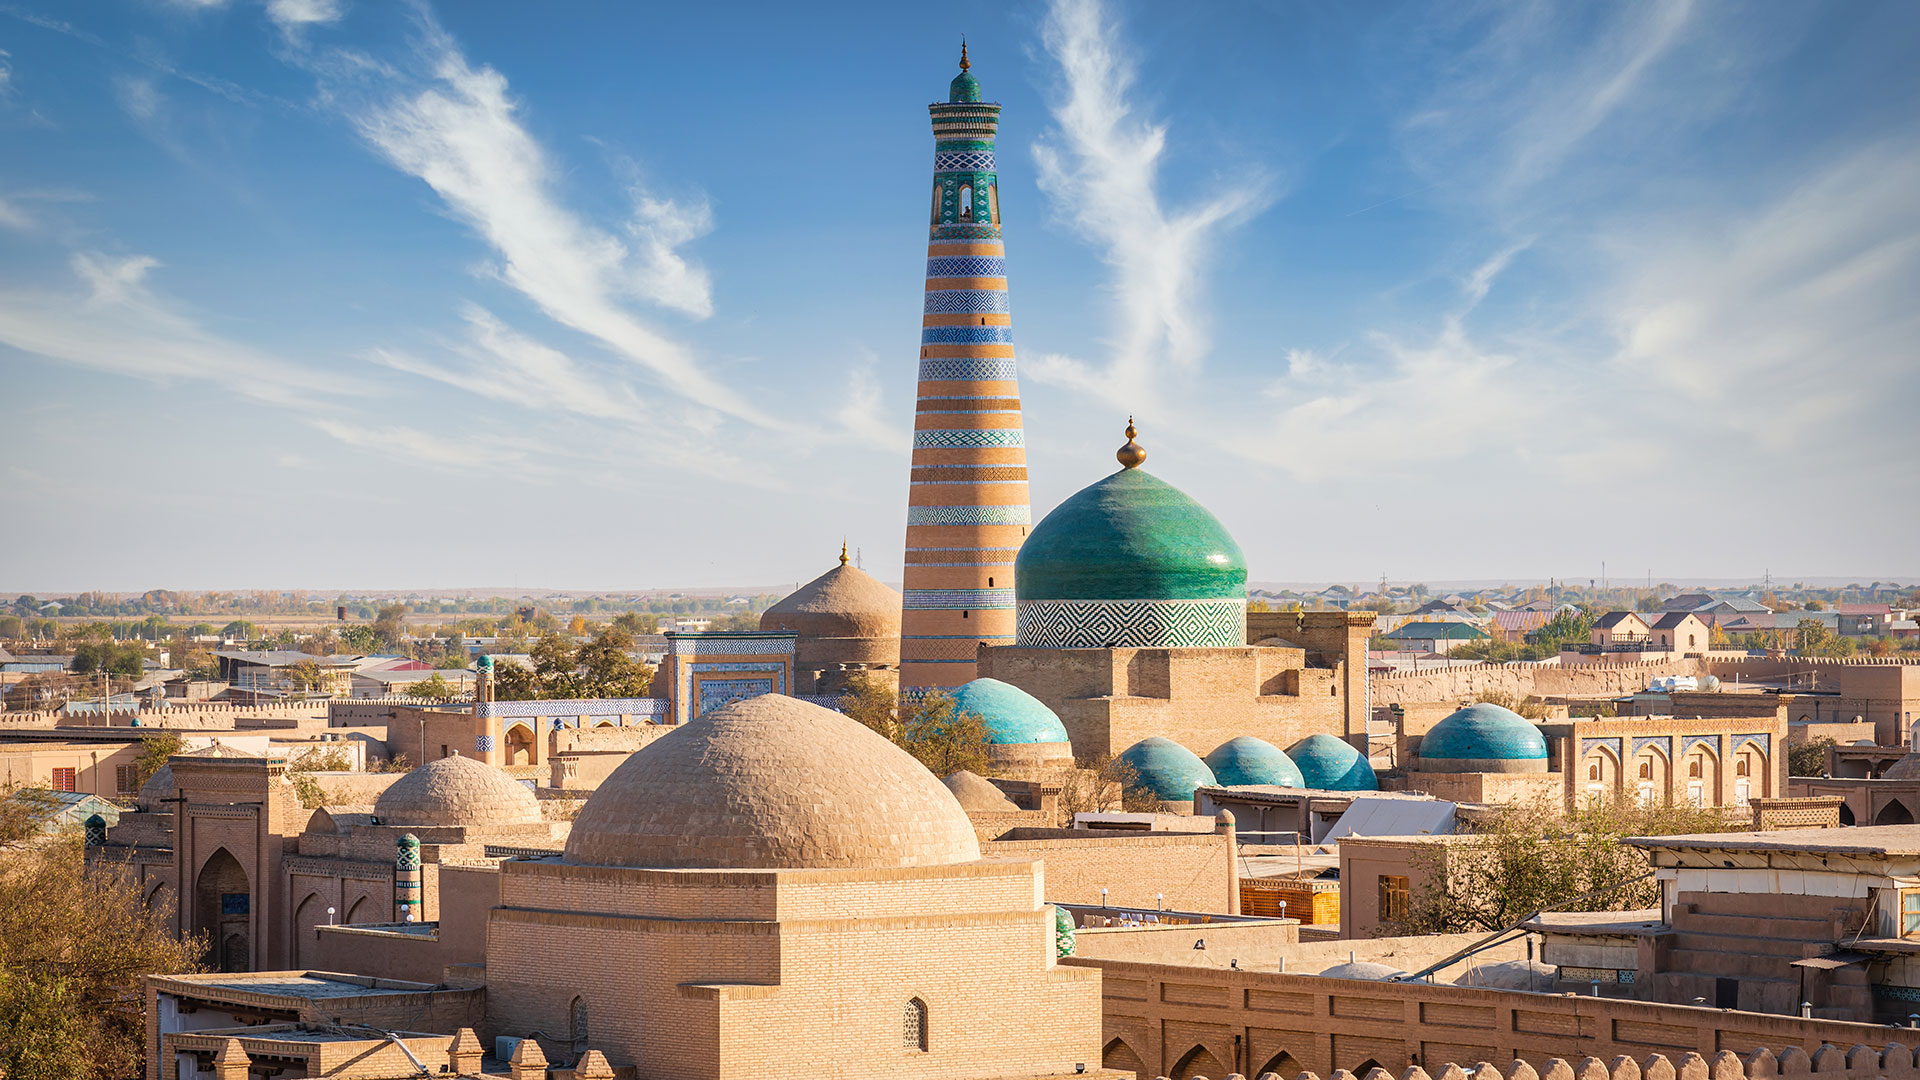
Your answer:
<point x="1118" y="1055"/>
<point x="1894" y="813"/>
<point x="1846" y="815"/>
<point x="1198" y="1061"/>
<point x="519" y="745"/>
<point x="577" y="1025"/>
<point x="223" y="911"/>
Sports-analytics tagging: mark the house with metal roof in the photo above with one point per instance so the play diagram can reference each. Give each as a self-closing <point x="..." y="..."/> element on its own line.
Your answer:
<point x="1435" y="637"/>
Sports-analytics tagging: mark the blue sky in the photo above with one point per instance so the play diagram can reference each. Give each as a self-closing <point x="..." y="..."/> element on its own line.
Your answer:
<point x="331" y="293"/>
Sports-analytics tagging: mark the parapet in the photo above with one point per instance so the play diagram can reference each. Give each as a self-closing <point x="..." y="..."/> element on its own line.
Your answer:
<point x="1896" y="1062"/>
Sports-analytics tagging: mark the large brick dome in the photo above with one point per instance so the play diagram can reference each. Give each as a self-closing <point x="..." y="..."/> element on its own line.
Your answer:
<point x="772" y="783"/>
<point x="457" y="791"/>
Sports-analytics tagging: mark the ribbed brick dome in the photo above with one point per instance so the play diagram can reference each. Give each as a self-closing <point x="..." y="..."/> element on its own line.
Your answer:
<point x="772" y="782"/>
<point x="844" y="602"/>
<point x="457" y="791"/>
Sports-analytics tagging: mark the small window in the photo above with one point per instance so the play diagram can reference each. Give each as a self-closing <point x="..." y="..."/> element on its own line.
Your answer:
<point x="989" y="583"/>
<point x="1693" y="767"/>
<point x="1593" y="771"/>
<point x="913" y="1027"/>
<point x="1744" y="768"/>
<point x="993" y="202"/>
<point x="936" y="204"/>
<point x="1396" y="897"/>
<point x="966" y="202"/>
<point x="65" y="780"/>
<point x="963" y="614"/>
<point x="126" y="778"/>
<point x="1646" y="770"/>
<point x="1909" y="912"/>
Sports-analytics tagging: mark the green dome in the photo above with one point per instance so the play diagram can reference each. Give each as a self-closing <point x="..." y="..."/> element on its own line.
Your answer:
<point x="1484" y="737"/>
<point x="1327" y="764"/>
<point x="1131" y="536"/>
<point x="1166" y="768"/>
<point x="1012" y="714"/>
<point x="964" y="87"/>
<point x="1247" y="760"/>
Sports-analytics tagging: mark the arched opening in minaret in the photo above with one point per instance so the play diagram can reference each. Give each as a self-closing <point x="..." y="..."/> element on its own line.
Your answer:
<point x="966" y="202"/>
<point x="936" y="202"/>
<point x="993" y="201"/>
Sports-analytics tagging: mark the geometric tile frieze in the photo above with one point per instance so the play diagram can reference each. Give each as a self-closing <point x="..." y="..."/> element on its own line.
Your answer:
<point x="1131" y="624"/>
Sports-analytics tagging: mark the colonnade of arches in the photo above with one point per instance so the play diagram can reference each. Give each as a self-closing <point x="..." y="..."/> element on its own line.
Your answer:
<point x="1648" y="776"/>
<point x="1203" y="1060"/>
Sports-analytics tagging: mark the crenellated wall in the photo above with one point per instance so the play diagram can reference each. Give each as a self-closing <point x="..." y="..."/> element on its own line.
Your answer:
<point x="1827" y="1063"/>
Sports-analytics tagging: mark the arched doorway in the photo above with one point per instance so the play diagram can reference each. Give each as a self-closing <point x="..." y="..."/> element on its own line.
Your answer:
<point x="1603" y="776"/>
<point x="1365" y="1067"/>
<point x="308" y="914"/>
<point x="1199" y="1061"/>
<point x="1894" y="813"/>
<point x="1846" y="815"/>
<point x="354" y="911"/>
<point x="1118" y="1055"/>
<point x="519" y="745"/>
<point x="223" y="911"/>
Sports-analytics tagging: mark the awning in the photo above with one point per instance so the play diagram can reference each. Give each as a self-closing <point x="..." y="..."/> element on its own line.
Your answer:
<point x="1831" y="961"/>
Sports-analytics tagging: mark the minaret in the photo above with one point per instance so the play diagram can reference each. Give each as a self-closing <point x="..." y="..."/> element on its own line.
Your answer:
<point x="967" y="508"/>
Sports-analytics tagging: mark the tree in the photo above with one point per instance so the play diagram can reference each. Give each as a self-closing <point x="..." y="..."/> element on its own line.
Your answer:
<point x="1532" y="710"/>
<point x="155" y="749"/>
<point x="390" y="626"/>
<point x="608" y="669"/>
<point x="306" y="675"/>
<point x="1808" y="758"/>
<point x="1104" y="784"/>
<point x="76" y="945"/>
<point x="1532" y="857"/>
<point x="944" y="738"/>
<point x="127" y="660"/>
<point x="434" y="689"/>
<point x="238" y="629"/>
<point x="871" y="701"/>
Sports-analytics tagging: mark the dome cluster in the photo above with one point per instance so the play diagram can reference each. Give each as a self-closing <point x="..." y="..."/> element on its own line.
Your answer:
<point x="1317" y="762"/>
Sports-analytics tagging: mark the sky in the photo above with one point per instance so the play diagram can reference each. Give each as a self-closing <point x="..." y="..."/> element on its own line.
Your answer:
<point x="332" y="293"/>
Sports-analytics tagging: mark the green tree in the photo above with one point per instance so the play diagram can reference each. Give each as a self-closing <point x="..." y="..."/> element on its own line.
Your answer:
<point x="238" y="629"/>
<point x="390" y="626"/>
<point x="306" y="675"/>
<point x="155" y="748"/>
<point x="76" y="945"/>
<point x="872" y="702"/>
<point x="1808" y="758"/>
<point x="1532" y="857"/>
<point x="434" y="689"/>
<point x="607" y="668"/>
<point x="514" y="681"/>
<point x="945" y="738"/>
<point x="124" y="660"/>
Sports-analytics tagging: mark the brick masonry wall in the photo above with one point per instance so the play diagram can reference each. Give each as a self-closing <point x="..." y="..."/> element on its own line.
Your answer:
<point x="1194" y="871"/>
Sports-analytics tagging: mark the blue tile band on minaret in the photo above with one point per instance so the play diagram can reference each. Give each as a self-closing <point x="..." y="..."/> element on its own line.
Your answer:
<point x="967" y="511"/>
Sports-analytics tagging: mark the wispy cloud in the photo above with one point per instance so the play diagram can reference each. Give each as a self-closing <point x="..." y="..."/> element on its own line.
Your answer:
<point x="508" y="366"/>
<point x="1100" y="165"/>
<point x="120" y="325"/>
<point x="292" y="15"/>
<point x="460" y="132"/>
<point x="425" y="448"/>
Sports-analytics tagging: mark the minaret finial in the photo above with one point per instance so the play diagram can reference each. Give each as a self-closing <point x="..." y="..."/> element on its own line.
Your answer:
<point x="1131" y="455"/>
<point x="843" y="551"/>
<point x="963" y="53"/>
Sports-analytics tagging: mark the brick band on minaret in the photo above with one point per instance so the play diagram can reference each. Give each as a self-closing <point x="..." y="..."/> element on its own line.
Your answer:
<point x="967" y="510"/>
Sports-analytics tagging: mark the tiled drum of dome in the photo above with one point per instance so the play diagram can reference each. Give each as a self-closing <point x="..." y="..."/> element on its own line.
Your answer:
<point x="967" y="511"/>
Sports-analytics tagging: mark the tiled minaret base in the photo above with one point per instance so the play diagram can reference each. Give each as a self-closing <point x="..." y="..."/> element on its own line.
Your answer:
<point x="967" y="512"/>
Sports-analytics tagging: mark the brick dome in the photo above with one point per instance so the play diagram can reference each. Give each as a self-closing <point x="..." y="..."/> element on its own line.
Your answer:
<point x="771" y="783"/>
<point x="1907" y="768"/>
<point x="457" y="791"/>
<point x="846" y="601"/>
<point x="976" y="792"/>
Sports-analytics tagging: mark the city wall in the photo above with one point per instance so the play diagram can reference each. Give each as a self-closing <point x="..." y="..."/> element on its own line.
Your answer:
<point x="1181" y="1020"/>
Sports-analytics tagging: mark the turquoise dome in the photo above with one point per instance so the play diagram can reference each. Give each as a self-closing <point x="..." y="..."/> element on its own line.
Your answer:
<point x="1484" y="737"/>
<point x="1247" y="760"/>
<point x="1167" y="769"/>
<point x="1327" y="764"/>
<point x="964" y="87"/>
<point x="1131" y="536"/>
<point x="1012" y="714"/>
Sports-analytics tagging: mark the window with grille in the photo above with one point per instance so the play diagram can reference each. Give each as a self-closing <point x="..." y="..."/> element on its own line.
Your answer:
<point x="913" y="1029"/>
<point x="1396" y="897"/>
<point x="65" y="780"/>
<point x="126" y="778"/>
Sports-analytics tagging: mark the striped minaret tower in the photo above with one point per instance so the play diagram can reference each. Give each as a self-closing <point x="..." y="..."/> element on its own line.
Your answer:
<point x="967" y="509"/>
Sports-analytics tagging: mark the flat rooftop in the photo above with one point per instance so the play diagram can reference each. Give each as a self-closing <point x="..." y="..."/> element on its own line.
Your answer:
<point x="1596" y="922"/>
<point x="1888" y="840"/>
<point x="302" y="985"/>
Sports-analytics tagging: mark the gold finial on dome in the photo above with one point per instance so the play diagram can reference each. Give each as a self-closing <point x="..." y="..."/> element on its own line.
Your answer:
<point x="1131" y="455"/>
<point x="963" y="53"/>
<point x="843" y="552"/>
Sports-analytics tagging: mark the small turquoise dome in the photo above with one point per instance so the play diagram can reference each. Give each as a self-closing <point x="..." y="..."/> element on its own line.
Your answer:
<point x="1012" y="714"/>
<point x="1167" y="769"/>
<point x="1327" y="764"/>
<point x="964" y="86"/>
<point x="1131" y="536"/>
<point x="1247" y="760"/>
<point x="1484" y="737"/>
